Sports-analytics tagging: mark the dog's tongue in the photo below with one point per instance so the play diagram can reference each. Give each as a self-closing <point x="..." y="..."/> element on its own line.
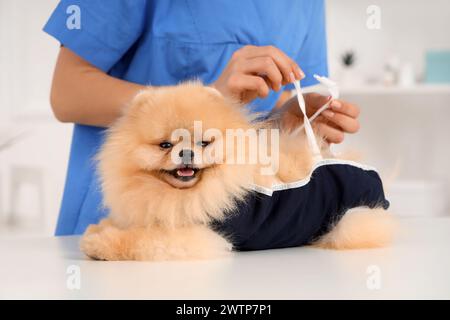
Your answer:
<point x="185" y="172"/>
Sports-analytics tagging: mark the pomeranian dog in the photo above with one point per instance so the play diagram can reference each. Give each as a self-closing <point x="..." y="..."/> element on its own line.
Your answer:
<point x="162" y="194"/>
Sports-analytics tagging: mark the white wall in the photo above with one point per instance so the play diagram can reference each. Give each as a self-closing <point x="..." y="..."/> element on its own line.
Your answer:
<point x="28" y="56"/>
<point x="403" y="130"/>
<point x="408" y="28"/>
<point x="27" y="59"/>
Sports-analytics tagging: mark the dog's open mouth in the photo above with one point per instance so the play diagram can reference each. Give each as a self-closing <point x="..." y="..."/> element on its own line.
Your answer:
<point x="186" y="173"/>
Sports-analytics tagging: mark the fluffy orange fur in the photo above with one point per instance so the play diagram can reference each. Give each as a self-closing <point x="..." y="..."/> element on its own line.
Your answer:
<point x="360" y="228"/>
<point x="148" y="214"/>
<point x="154" y="216"/>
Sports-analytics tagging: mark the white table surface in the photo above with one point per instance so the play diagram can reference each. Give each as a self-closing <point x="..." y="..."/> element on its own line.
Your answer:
<point x="417" y="265"/>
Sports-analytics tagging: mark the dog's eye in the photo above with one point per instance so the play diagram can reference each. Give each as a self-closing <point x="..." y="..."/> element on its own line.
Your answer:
<point x="203" y="143"/>
<point x="166" y="145"/>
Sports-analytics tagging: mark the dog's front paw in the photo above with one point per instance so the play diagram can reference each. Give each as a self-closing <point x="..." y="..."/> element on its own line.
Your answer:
<point x="102" y="245"/>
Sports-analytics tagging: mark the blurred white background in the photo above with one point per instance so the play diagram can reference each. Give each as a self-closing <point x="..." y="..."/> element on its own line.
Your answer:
<point x="405" y="125"/>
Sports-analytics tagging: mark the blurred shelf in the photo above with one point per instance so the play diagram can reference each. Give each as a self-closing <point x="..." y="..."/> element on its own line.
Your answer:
<point x="384" y="90"/>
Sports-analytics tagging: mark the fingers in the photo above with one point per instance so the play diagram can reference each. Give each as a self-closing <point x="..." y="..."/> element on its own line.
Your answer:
<point x="332" y="125"/>
<point x="285" y="64"/>
<point x="264" y="66"/>
<point x="340" y="118"/>
<point x="343" y="115"/>
<point x="346" y="108"/>
<point x="243" y="82"/>
<point x="343" y="121"/>
<point x="332" y="135"/>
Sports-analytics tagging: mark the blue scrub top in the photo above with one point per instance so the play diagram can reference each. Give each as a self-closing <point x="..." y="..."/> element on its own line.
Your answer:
<point x="163" y="42"/>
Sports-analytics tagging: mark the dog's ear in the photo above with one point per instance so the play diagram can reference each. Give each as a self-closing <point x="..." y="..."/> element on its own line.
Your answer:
<point x="143" y="100"/>
<point x="197" y="83"/>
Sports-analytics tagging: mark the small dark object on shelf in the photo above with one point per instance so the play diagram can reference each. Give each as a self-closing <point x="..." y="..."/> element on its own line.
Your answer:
<point x="348" y="58"/>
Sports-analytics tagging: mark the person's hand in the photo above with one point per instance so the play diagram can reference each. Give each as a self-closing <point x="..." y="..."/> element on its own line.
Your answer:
<point x="340" y="118"/>
<point x="253" y="71"/>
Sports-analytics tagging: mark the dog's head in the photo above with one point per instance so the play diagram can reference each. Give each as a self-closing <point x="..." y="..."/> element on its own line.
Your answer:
<point x="179" y="133"/>
<point x="172" y="143"/>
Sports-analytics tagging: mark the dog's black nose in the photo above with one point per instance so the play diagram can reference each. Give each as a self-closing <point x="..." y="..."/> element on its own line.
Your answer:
<point x="186" y="155"/>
